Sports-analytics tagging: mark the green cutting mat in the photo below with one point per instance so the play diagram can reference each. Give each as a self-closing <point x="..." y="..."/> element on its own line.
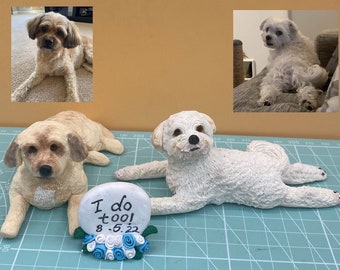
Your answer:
<point x="215" y="237"/>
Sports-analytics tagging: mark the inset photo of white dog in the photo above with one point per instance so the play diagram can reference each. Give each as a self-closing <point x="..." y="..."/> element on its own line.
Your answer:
<point x="52" y="54"/>
<point x="288" y="63"/>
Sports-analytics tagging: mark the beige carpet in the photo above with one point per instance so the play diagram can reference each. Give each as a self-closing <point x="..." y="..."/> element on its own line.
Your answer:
<point x="24" y="50"/>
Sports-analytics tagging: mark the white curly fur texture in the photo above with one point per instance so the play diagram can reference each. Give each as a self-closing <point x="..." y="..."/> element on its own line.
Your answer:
<point x="198" y="173"/>
<point x="292" y="64"/>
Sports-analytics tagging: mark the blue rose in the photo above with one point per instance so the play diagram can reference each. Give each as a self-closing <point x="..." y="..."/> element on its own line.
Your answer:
<point x="88" y="239"/>
<point x="100" y="251"/>
<point x="143" y="247"/>
<point x="129" y="240"/>
<point x="118" y="254"/>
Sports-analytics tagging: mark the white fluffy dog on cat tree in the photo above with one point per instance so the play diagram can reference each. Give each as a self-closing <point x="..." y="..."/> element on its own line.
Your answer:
<point x="198" y="173"/>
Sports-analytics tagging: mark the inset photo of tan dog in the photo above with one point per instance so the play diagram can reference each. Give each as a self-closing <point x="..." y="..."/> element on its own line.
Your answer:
<point x="52" y="54"/>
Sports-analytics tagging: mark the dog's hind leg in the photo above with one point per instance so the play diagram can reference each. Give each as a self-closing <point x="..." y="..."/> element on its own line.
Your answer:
<point x="109" y="143"/>
<point x="15" y="216"/>
<point x="311" y="197"/>
<point x="97" y="158"/>
<point x="153" y="169"/>
<point x="299" y="173"/>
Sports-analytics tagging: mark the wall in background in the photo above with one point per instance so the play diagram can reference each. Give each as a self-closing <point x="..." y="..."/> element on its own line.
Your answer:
<point x="156" y="57"/>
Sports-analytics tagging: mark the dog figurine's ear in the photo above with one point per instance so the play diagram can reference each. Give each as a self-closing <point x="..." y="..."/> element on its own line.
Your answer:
<point x="12" y="157"/>
<point x="210" y="121"/>
<point x="78" y="150"/>
<point x="73" y="38"/>
<point x="157" y="136"/>
<point x="32" y="26"/>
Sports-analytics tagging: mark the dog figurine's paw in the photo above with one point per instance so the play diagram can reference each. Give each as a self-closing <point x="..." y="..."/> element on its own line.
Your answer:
<point x="123" y="174"/>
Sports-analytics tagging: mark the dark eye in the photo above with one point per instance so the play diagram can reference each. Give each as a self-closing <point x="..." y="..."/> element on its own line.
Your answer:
<point x="177" y="132"/>
<point x="32" y="150"/>
<point x="60" y="33"/>
<point x="54" y="147"/>
<point x="43" y="29"/>
<point x="278" y="33"/>
<point x="199" y="128"/>
<point x="267" y="29"/>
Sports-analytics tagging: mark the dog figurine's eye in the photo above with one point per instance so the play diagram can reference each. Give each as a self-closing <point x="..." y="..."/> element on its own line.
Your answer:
<point x="32" y="150"/>
<point x="278" y="33"/>
<point x="177" y="132"/>
<point x="267" y="29"/>
<point x="54" y="147"/>
<point x="199" y="128"/>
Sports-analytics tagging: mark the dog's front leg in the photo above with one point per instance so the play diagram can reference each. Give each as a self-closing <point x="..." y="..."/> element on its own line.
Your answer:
<point x="72" y="212"/>
<point x="175" y="205"/>
<point x="268" y="95"/>
<point x="15" y="216"/>
<point x="71" y="86"/>
<point x="21" y="92"/>
<point x="153" y="169"/>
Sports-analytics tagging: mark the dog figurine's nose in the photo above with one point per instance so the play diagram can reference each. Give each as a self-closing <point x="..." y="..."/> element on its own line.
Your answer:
<point x="193" y="139"/>
<point x="45" y="171"/>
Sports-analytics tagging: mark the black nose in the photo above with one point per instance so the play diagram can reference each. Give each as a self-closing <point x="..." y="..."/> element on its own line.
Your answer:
<point x="48" y="43"/>
<point x="268" y="38"/>
<point x="193" y="139"/>
<point x="45" y="171"/>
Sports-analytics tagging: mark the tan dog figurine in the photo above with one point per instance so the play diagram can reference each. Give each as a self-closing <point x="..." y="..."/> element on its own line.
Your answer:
<point x="50" y="155"/>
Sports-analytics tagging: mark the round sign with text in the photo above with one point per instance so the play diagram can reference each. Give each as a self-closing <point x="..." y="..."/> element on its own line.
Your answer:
<point x="116" y="207"/>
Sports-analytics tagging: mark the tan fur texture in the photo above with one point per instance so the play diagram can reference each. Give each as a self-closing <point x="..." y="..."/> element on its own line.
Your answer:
<point x="50" y="155"/>
<point x="61" y="50"/>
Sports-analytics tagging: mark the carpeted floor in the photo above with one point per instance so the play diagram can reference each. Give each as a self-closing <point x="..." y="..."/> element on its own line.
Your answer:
<point x="24" y="50"/>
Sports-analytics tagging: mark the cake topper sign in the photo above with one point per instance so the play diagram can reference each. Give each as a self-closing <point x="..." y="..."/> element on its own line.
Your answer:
<point x="113" y="220"/>
<point x="115" y="208"/>
<point x="120" y="215"/>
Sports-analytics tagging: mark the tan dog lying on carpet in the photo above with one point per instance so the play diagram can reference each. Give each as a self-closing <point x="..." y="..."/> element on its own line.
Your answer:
<point x="50" y="155"/>
<point x="198" y="173"/>
<point x="61" y="50"/>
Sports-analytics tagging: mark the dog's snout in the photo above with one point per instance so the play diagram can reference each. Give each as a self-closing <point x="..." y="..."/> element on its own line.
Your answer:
<point x="193" y="139"/>
<point x="48" y="43"/>
<point x="268" y="38"/>
<point x="45" y="171"/>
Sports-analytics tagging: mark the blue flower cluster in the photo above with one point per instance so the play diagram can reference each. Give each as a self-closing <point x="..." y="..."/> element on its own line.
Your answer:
<point x="115" y="246"/>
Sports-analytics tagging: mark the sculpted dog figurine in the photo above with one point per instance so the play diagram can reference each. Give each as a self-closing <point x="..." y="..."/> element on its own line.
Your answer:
<point x="50" y="155"/>
<point x="293" y="64"/>
<point x="198" y="173"/>
<point x="61" y="50"/>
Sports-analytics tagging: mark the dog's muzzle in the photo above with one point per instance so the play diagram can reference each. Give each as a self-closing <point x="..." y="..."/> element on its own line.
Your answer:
<point x="48" y="43"/>
<point x="194" y="140"/>
<point x="45" y="171"/>
<point x="269" y="40"/>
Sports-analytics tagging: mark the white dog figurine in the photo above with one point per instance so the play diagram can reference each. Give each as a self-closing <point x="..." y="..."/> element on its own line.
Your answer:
<point x="199" y="174"/>
<point x="293" y="64"/>
<point x="50" y="155"/>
